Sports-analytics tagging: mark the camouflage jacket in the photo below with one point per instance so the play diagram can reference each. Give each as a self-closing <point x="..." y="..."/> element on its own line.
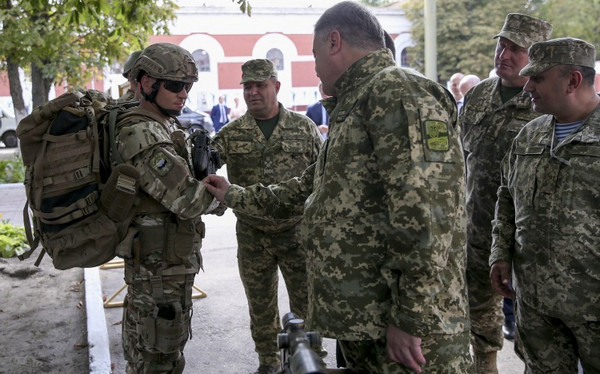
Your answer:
<point x="251" y="158"/>
<point x="383" y="220"/>
<point x="169" y="193"/>
<point x="547" y="222"/>
<point x="487" y="127"/>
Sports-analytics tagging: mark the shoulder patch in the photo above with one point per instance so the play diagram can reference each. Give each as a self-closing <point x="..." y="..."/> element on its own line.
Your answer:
<point x="161" y="163"/>
<point x="436" y="135"/>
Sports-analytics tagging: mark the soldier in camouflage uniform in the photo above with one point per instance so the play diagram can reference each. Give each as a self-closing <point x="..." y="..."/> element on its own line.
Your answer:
<point x="162" y="254"/>
<point x="383" y="209"/>
<point x="268" y="144"/>
<point x="546" y="229"/>
<point x="133" y="92"/>
<point x="493" y="113"/>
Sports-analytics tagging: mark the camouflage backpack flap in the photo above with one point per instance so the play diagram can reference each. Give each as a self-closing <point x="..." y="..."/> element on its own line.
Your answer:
<point x="78" y="221"/>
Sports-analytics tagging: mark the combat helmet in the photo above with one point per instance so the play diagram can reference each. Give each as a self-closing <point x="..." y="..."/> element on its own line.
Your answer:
<point x="166" y="61"/>
<point x="129" y="63"/>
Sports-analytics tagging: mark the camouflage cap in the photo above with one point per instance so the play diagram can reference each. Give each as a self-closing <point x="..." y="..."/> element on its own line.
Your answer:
<point x="524" y="30"/>
<point x="561" y="51"/>
<point x="258" y="70"/>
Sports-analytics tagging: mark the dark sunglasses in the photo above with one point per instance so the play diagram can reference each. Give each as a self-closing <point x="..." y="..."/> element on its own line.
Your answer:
<point x="176" y="87"/>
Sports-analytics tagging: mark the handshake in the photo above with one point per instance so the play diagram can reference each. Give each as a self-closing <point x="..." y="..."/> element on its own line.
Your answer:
<point x="217" y="186"/>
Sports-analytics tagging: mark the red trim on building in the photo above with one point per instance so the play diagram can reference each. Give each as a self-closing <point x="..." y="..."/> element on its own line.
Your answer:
<point x="303" y="43"/>
<point x="230" y="75"/>
<point x="175" y="39"/>
<point x="303" y="74"/>
<point x="237" y="45"/>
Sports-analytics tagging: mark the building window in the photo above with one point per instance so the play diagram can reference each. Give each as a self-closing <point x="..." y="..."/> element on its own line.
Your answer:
<point x="276" y="56"/>
<point x="202" y="59"/>
<point x="404" y="58"/>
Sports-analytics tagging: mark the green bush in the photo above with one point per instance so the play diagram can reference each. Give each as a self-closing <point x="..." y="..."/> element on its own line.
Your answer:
<point x="12" y="239"/>
<point x="12" y="171"/>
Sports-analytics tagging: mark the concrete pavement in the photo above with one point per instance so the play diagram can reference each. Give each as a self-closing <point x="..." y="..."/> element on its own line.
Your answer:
<point x="221" y="340"/>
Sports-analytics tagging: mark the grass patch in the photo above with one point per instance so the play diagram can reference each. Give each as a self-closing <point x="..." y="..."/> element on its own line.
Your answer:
<point x="12" y="171"/>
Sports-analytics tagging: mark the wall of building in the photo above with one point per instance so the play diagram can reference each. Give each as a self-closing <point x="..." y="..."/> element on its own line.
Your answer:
<point x="230" y="38"/>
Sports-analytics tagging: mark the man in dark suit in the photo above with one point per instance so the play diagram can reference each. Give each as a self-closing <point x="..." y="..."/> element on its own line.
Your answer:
<point x="219" y="114"/>
<point x="319" y="115"/>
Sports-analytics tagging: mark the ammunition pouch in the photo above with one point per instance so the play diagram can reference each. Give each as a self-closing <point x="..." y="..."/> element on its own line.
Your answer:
<point x="167" y="331"/>
<point x="119" y="196"/>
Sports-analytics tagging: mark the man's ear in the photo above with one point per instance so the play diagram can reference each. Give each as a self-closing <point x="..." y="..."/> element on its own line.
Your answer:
<point x="146" y="83"/>
<point x="334" y="41"/>
<point x="575" y="79"/>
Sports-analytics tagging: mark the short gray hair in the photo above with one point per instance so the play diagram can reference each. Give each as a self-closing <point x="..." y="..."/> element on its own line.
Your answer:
<point x="355" y="23"/>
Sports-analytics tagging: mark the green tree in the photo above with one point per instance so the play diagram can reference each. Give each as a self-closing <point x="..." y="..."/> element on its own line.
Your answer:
<point x="465" y="31"/>
<point x="70" y="41"/>
<point x="574" y="18"/>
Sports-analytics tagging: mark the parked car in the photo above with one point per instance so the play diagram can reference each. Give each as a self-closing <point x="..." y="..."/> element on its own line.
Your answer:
<point x="192" y="120"/>
<point x="8" y="130"/>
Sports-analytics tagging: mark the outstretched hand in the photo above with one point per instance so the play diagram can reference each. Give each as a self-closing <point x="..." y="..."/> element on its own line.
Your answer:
<point x="500" y="277"/>
<point x="404" y="348"/>
<point x="217" y="186"/>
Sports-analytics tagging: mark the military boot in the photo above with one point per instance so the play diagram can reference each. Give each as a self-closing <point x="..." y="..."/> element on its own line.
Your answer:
<point x="485" y="362"/>
<point x="267" y="369"/>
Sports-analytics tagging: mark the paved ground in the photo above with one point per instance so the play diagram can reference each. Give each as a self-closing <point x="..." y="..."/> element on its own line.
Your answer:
<point x="221" y="341"/>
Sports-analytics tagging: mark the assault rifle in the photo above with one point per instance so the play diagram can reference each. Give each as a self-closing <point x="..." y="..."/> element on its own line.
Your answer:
<point x="296" y="345"/>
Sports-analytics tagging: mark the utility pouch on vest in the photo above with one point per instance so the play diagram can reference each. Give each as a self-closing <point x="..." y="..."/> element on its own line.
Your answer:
<point x="165" y="335"/>
<point x="119" y="194"/>
<point x="125" y="247"/>
<point x="152" y="243"/>
<point x="180" y="242"/>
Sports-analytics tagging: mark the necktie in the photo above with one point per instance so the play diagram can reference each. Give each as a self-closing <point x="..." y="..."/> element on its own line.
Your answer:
<point x="324" y="116"/>
<point x="223" y="116"/>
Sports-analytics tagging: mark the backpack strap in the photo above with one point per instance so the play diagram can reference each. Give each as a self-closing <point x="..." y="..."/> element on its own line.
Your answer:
<point x="112" y="125"/>
<point x="33" y="241"/>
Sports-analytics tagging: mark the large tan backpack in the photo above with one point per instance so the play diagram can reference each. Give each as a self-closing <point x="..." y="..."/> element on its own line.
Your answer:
<point x="80" y="206"/>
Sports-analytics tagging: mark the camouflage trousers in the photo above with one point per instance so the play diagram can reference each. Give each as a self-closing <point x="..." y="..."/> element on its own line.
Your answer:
<point x="551" y="345"/>
<point x="485" y="305"/>
<point x="156" y="320"/>
<point x="260" y="254"/>
<point x="443" y="353"/>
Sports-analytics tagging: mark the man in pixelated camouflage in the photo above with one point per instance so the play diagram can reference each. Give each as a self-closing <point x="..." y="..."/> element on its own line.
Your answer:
<point x="546" y="227"/>
<point x="268" y="144"/>
<point x="492" y="114"/>
<point x="384" y="223"/>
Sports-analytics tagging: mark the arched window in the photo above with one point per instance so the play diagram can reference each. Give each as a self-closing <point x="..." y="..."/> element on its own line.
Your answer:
<point x="276" y="56"/>
<point x="202" y="59"/>
<point x="404" y="58"/>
